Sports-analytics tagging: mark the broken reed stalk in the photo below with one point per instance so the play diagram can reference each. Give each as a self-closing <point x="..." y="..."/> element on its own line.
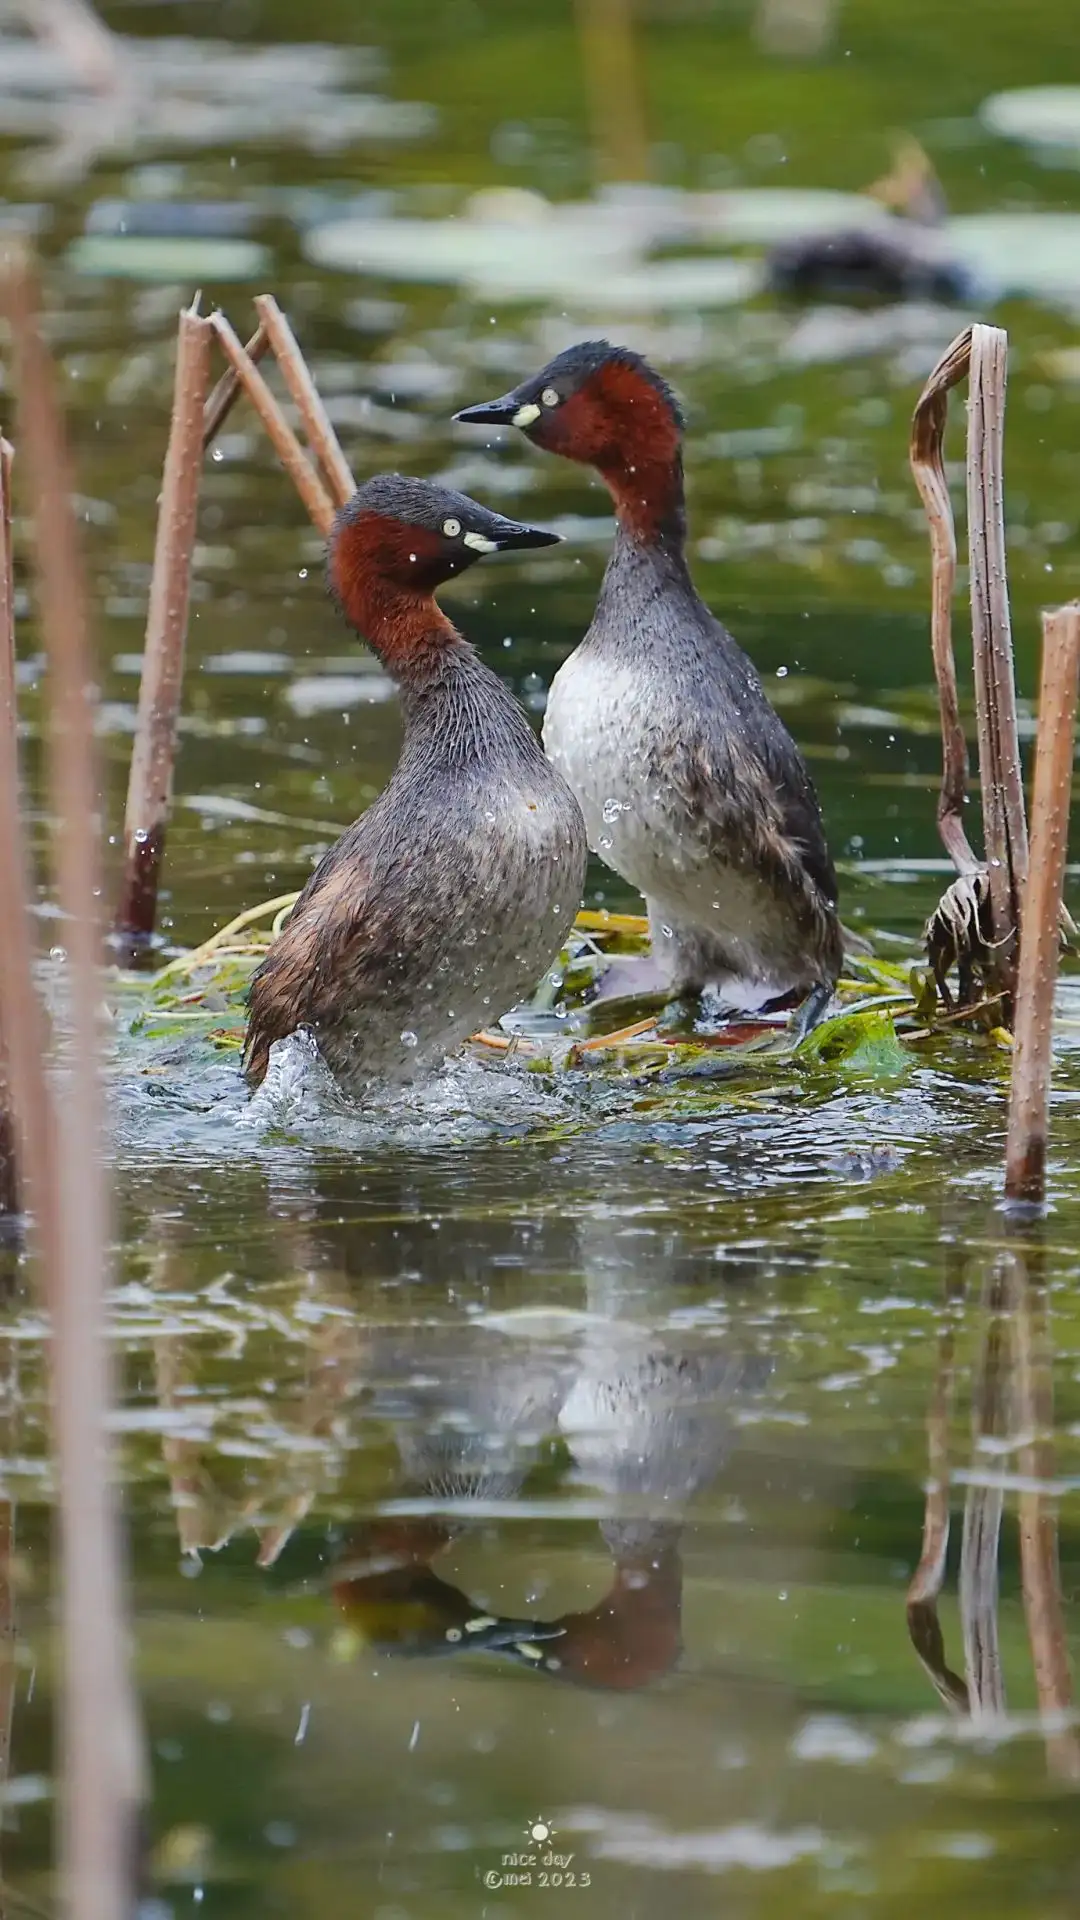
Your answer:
<point x="100" y="1753"/>
<point x="308" y="485"/>
<point x="228" y="390"/>
<point x="616" y="111"/>
<point x="928" y="469"/>
<point x="1029" y="1099"/>
<point x="321" y="437"/>
<point x="150" y="781"/>
<point x="975" y="925"/>
<point x="1040" y="1567"/>
<point x="1000" y="771"/>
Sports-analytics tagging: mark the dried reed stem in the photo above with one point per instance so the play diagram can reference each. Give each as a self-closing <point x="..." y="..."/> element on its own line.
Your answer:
<point x="322" y="439"/>
<point x="150" y="781"/>
<point x="101" y="1757"/>
<point x="1039" y="1563"/>
<point x="286" y="445"/>
<point x="928" y="468"/>
<point x="616" y="111"/>
<point x="1000" y="771"/>
<point x="1029" y="1101"/>
<point x="228" y="390"/>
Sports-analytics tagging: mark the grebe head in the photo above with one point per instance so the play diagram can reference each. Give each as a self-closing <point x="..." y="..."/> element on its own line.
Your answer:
<point x="607" y="408"/>
<point x="410" y="535"/>
<point x="595" y="403"/>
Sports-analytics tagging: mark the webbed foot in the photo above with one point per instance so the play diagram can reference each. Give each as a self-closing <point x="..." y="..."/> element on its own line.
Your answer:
<point x="813" y="1009"/>
<point x="681" y="1014"/>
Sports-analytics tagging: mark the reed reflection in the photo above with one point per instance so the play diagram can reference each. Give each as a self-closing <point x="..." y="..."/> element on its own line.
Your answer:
<point x="1012" y="1421"/>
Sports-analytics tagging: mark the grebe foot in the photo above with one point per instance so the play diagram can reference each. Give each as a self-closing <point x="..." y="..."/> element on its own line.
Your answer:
<point x="813" y="1010"/>
<point x="681" y="1014"/>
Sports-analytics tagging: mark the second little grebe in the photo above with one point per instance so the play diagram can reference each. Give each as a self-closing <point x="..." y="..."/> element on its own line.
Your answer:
<point x="909" y="261"/>
<point x="691" y="785"/>
<point x="443" y="904"/>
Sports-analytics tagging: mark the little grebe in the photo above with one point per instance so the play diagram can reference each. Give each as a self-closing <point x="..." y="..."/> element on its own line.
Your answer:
<point x="444" y="903"/>
<point x="909" y="261"/>
<point x="691" y="786"/>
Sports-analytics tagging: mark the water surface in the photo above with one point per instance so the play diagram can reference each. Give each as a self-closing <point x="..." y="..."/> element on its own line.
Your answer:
<point x="660" y="1373"/>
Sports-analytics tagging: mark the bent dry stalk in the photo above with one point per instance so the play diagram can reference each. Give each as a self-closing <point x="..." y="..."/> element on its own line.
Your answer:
<point x="101" y="1758"/>
<point x="1000" y="774"/>
<point x="975" y="925"/>
<point x="1029" y="1100"/>
<point x="308" y="485"/>
<point x="150" y="781"/>
<point x="228" y="390"/>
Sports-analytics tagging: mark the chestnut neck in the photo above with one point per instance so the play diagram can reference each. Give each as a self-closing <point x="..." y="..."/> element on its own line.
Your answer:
<point x="649" y="497"/>
<point x="405" y="627"/>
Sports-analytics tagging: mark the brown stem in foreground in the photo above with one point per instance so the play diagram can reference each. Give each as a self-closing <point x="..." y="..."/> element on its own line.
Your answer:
<point x="228" y="390"/>
<point x="101" y="1755"/>
<point x="1029" y="1099"/>
<point x="616" y="110"/>
<point x="9" y="1187"/>
<point x="81" y="37"/>
<point x="322" y="439"/>
<point x="928" y="468"/>
<point x="308" y="485"/>
<point x="1000" y="771"/>
<point x="20" y="1008"/>
<point x="1039" y="1564"/>
<point x="150" y="781"/>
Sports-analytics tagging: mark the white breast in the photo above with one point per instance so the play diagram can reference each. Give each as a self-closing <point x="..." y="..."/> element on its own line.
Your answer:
<point x="600" y="730"/>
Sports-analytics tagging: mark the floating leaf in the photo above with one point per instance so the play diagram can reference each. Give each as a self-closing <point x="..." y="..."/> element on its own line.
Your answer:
<point x="861" y="1043"/>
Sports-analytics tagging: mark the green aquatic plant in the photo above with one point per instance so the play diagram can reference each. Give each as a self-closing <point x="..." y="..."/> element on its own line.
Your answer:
<point x="202" y="994"/>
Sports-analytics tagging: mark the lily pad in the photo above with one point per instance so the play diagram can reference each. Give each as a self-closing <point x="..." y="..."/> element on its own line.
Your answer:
<point x="1036" y="254"/>
<point x="1041" y="116"/>
<point x="133" y="257"/>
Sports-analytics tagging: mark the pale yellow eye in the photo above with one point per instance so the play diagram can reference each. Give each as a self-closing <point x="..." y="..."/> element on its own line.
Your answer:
<point x="549" y="397"/>
<point x="451" y="528"/>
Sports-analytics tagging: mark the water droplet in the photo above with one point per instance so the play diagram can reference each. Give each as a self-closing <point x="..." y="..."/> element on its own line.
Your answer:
<point x="409" y="1038"/>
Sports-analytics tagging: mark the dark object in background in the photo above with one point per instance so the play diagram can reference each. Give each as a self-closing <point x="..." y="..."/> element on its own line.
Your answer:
<point x="907" y="261"/>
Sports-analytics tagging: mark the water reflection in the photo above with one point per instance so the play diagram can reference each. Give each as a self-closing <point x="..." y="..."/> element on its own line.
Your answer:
<point x="492" y="1417"/>
<point x="1012" y="1420"/>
